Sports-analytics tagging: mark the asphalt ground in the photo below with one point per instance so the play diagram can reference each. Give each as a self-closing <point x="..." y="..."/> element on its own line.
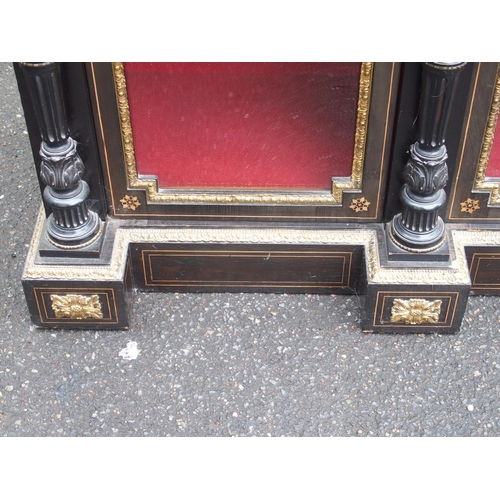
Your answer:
<point x="227" y="364"/>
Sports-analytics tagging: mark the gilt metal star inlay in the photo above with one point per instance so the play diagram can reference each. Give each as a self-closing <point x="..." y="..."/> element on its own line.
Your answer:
<point x="470" y="205"/>
<point x="130" y="202"/>
<point x="360" y="204"/>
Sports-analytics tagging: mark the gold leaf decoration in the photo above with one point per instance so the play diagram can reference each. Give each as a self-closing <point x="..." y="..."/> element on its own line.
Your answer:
<point x="456" y="274"/>
<point x="130" y="202"/>
<point x="360" y="204"/>
<point x="482" y="182"/>
<point x="415" y="311"/>
<point x="76" y="306"/>
<point x="469" y="205"/>
<point x="339" y="185"/>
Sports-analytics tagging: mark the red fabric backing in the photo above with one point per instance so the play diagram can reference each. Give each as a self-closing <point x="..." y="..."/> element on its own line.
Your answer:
<point x="243" y="125"/>
<point x="493" y="169"/>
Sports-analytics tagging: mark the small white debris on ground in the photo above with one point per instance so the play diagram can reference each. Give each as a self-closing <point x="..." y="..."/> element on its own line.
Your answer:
<point x="470" y="407"/>
<point x="130" y="352"/>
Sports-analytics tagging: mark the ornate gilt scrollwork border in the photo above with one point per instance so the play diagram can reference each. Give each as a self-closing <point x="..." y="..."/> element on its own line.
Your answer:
<point x="339" y="185"/>
<point x="481" y="182"/>
<point x="456" y="273"/>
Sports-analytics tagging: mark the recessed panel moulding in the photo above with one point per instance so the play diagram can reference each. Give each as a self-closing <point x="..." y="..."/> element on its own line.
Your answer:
<point x="244" y="125"/>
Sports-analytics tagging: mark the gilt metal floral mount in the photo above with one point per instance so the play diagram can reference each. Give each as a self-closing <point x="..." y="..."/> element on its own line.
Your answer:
<point x="76" y="306"/>
<point x="415" y="311"/>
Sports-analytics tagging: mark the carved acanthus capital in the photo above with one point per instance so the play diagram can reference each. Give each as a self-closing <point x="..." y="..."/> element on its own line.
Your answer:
<point x="61" y="169"/>
<point x="423" y="176"/>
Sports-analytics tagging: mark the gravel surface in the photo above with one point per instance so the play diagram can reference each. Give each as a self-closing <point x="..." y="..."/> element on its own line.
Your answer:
<point x="228" y="364"/>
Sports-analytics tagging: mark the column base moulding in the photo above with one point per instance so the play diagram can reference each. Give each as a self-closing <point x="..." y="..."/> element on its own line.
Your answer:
<point x="95" y="291"/>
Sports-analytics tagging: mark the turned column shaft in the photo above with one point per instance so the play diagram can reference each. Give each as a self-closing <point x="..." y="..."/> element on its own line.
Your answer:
<point x="61" y="169"/>
<point x="46" y="92"/>
<point x="418" y="227"/>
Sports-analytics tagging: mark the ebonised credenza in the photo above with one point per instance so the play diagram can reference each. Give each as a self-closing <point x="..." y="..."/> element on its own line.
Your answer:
<point x="379" y="179"/>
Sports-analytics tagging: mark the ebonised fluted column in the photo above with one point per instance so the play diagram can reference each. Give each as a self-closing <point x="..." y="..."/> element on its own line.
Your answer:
<point x="419" y="228"/>
<point x="71" y="223"/>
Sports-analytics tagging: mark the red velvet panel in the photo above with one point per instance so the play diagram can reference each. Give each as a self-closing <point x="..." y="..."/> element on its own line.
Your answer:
<point x="243" y="125"/>
<point x="493" y="169"/>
